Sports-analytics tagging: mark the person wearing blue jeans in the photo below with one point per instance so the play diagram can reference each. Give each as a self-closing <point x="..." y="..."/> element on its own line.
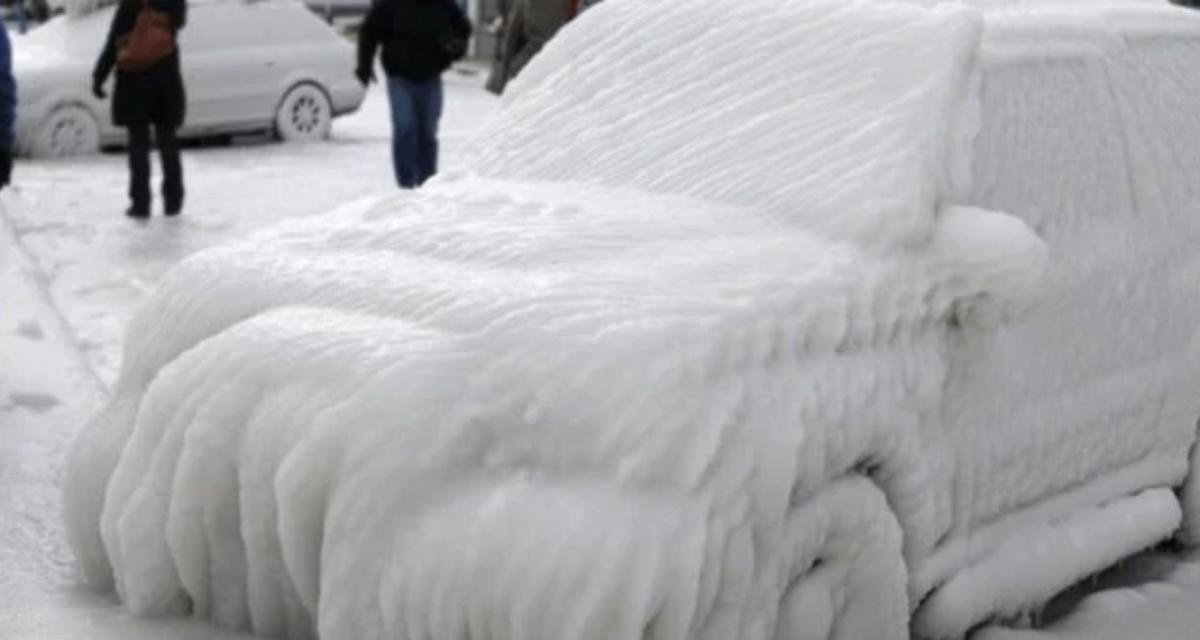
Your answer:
<point x="416" y="110"/>
<point x="420" y="40"/>
<point x="8" y="108"/>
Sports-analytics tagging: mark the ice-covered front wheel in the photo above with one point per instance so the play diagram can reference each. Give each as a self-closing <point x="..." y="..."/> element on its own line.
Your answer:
<point x="69" y="130"/>
<point x="304" y="114"/>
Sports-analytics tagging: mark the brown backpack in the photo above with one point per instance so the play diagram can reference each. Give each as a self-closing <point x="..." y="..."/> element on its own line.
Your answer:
<point x="150" y="41"/>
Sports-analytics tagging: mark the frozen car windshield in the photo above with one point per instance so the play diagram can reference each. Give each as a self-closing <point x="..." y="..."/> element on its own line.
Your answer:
<point x="63" y="38"/>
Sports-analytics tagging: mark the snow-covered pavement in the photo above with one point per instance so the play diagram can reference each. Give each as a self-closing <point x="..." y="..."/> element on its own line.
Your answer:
<point x="73" y="269"/>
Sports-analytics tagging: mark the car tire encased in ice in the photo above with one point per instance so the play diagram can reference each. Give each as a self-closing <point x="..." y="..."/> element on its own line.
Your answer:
<point x="68" y="130"/>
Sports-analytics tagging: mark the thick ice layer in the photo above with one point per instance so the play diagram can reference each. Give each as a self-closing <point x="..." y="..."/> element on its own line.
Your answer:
<point x="1092" y="398"/>
<point x="800" y="110"/>
<point x="556" y="411"/>
<point x="609" y="385"/>
<point x="701" y="347"/>
<point x="1023" y="572"/>
<point x="1095" y="150"/>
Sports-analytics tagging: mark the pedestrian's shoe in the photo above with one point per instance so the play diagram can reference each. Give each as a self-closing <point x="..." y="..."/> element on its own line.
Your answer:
<point x="174" y="208"/>
<point x="138" y="212"/>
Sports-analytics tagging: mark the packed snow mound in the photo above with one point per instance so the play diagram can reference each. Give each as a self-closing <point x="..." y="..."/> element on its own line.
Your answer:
<point x="689" y="400"/>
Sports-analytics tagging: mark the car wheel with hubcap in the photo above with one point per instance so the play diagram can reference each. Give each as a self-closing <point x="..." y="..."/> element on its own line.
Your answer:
<point x="304" y="114"/>
<point x="69" y="130"/>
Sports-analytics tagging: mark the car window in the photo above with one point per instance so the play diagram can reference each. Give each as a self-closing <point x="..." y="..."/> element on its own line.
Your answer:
<point x="292" y="24"/>
<point x="223" y="26"/>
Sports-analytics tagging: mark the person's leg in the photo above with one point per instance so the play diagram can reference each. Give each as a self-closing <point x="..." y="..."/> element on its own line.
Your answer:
<point x="404" y="134"/>
<point x="172" y="166"/>
<point x="139" y="171"/>
<point x="429" y="115"/>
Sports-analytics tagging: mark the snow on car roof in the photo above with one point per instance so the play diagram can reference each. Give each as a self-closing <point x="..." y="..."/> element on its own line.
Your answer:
<point x="1030" y="30"/>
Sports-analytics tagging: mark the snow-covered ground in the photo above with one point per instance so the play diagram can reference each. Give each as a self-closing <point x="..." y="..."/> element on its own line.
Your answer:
<point x="73" y="269"/>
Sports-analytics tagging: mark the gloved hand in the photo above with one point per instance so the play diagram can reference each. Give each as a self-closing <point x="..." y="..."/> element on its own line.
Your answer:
<point x="98" y="89"/>
<point x="365" y="76"/>
<point x="5" y="167"/>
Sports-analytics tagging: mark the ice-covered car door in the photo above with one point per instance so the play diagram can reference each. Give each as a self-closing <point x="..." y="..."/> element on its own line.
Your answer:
<point x="226" y="67"/>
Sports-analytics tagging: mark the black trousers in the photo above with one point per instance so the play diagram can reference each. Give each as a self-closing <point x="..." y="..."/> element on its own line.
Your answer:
<point x="139" y="166"/>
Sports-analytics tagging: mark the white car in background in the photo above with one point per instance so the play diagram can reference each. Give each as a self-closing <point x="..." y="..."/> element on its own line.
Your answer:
<point x="249" y="66"/>
<point x="330" y="9"/>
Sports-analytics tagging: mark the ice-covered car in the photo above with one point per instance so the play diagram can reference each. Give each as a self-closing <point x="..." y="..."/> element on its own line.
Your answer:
<point x="335" y="8"/>
<point x="249" y="66"/>
<point x="747" y="319"/>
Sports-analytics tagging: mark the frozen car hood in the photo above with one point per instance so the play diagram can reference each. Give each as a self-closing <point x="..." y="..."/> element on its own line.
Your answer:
<point x="63" y="42"/>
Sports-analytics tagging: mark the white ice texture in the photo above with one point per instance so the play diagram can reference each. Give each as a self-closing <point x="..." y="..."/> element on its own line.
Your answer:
<point x="723" y="335"/>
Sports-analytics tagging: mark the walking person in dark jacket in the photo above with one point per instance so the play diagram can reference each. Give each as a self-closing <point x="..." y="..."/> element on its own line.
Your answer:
<point x="8" y="108"/>
<point x="146" y="99"/>
<point x="420" y="40"/>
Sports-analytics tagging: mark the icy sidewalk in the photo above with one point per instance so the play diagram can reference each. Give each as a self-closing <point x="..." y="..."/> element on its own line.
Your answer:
<point x="47" y="391"/>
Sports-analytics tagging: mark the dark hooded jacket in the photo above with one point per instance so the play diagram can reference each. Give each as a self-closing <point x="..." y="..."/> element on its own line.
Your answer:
<point x="420" y="38"/>
<point x="155" y="96"/>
